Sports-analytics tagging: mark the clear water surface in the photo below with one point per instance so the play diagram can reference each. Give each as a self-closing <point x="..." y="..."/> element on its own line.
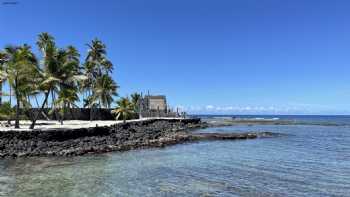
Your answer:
<point x="311" y="160"/>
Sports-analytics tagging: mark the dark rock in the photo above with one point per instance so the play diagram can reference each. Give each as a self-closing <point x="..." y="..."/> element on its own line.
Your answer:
<point x="118" y="137"/>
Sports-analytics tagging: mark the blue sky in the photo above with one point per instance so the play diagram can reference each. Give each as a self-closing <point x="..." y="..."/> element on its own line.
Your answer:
<point x="217" y="56"/>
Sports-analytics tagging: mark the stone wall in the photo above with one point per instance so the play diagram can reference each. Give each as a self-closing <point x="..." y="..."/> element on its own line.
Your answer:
<point x="99" y="114"/>
<point x="75" y="114"/>
<point x="155" y="113"/>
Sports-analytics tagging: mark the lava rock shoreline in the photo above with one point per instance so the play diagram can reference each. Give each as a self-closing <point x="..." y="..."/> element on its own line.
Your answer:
<point x="117" y="137"/>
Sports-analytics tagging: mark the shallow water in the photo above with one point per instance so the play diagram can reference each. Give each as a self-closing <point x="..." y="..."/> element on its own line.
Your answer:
<point x="312" y="160"/>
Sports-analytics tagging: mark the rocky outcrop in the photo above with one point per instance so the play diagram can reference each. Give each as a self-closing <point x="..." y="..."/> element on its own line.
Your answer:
<point x="118" y="137"/>
<point x="64" y="142"/>
<point x="229" y="136"/>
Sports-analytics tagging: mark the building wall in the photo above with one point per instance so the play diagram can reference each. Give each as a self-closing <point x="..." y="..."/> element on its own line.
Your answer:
<point x="155" y="103"/>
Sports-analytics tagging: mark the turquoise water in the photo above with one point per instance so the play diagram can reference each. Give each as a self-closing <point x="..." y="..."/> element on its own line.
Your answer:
<point x="311" y="160"/>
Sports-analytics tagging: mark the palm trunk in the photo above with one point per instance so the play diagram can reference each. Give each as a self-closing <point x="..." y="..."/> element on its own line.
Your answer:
<point x="37" y="106"/>
<point x="40" y="110"/>
<point x="9" y="120"/>
<point x="91" y="112"/>
<point x="10" y="95"/>
<point x="0" y="93"/>
<point x="64" y="112"/>
<point x="17" y="114"/>
<point x="29" y="111"/>
<point x="17" y="107"/>
<point x="71" y="112"/>
<point x="53" y="98"/>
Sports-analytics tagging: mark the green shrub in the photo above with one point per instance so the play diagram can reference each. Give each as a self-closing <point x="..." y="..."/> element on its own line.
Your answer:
<point x="6" y="111"/>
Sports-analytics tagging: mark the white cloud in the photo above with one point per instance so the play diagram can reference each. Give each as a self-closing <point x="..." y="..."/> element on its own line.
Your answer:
<point x="209" y="107"/>
<point x="243" y="109"/>
<point x="289" y="108"/>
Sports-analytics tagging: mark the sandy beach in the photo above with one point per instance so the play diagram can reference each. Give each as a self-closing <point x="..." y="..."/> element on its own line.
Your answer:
<point x="71" y="124"/>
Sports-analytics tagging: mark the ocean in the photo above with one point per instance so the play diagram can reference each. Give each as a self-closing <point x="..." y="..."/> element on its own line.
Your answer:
<point x="311" y="158"/>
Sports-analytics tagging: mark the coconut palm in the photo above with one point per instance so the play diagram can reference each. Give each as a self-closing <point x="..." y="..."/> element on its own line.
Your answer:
<point x="68" y="75"/>
<point x="60" y="70"/>
<point x="21" y="63"/>
<point x="97" y="58"/>
<point x="3" y="58"/>
<point x="135" y="100"/>
<point x="124" y="110"/>
<point x="58" y="75"/>
<point x="47" y="46"/>
<point x="97" y="68"/>
<point x="104" y="90"/>
<point x="66" y="100"/>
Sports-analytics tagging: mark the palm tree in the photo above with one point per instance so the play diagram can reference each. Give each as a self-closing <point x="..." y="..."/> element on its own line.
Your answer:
<point x="58" y="75"/>
<point x="47" y="46"/>
<point x="104" y="91"/>
<point x="124" y="110"/>
<point x="3" y="58"/>
<point x="70" y="78"/>
<point x="60" y="70"/>
<point x="97" y="58"/>
<point x="135" y="100"/>
<point x="66" y="99"/>
<point x="97" y="69"/>
<point x="21" y="63"/>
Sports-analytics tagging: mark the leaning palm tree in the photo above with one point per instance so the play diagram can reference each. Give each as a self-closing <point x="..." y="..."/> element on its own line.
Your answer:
<point x="47" y="46"/>
<point x="124" y="110"/>
<point x="19" y="67"/>
<point x="60" y="70"/>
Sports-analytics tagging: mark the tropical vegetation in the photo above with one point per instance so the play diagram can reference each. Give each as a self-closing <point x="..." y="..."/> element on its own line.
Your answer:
<point x="135" y="100"/>
<point x="6" y="111"/>
<point x="128" y="108"/>
<point x="57" y="76"/>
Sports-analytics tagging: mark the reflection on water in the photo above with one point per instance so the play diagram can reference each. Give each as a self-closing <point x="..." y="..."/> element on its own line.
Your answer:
<point x="310" y="161"/>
